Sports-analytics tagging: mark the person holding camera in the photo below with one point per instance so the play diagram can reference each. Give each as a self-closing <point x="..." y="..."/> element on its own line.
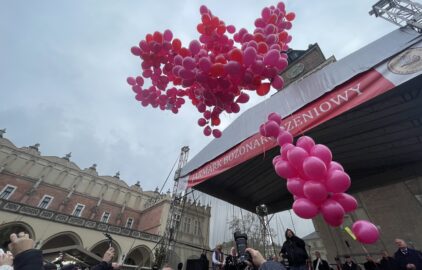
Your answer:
<point x="260" y="263"/>
<point x="294" y="251"/>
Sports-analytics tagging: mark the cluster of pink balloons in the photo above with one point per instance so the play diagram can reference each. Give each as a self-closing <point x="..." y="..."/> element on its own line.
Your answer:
<point x="211" y="72"/>
<point x="317" y="183"/>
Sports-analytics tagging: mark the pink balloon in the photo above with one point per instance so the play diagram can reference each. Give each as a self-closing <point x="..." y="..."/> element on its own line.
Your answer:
<point x="335" y="166"/>
<point x="285" y="149"/>
<point x="323" y="152"/>
<point x="332" y="212"/>
<point x="202" y="122"/>
<point x="235" y="107"/>
<point x="296" y="156"/>
<point x="284" y="137"/>
<point x="277" y="82"/>
<point x="216" y="133"/>
<point x="136" y="51"/>
<point x="232" y="67"/>
<point x="272" y="129"/>
<point x="204" y="64"/>
<point x="276" y="159"/>
<point x="314" y="168"/>
<point x="365" y="232"/>
<point x="315" y="191"/>
<point x="271" y="58"/>
<point x="337" y="181"/>
<point x="231" y="29"/>
<point x="194" y="47"/>
<point x="275" y="117"/>
<point x="295" y="186"/>
<point x="249" y="56"/>
<point x="304" y="208"/>
<point x="284" y="169"/>
<point x="243" y="98"/>
<point x="189" y="63"/>
<point x="262" y="130"/>
<point x="348" y="202"/>
<point x="131" y="81"/>
<point x="168" y="35"/>
<point x="306" y="143"/>
<point x="207" y="131"/>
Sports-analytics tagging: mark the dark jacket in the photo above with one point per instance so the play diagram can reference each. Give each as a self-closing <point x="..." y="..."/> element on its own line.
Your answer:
<point x="323" y="265"/>
<point x="204" y="261"/>
<point x="230" y="263"/>
<point x="294" y="251"/>
<point x="28" y="260"/>
<point x="370" y="265"/>
<point x="388" y="263"/>
<point x="353" y="266"/>
<point x="102" y="266"/>
<point x="411" y="256"/>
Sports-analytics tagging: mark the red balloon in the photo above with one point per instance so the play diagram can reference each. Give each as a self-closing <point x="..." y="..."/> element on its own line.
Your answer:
<point x="263" y="89"/>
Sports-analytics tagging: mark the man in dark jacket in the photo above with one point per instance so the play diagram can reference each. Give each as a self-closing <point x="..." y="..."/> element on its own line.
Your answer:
<point x="370" y="264"/>
<point x="204" y="260"/>
<point x="350" y="264"/>
<point x="407" y="258"/>
<point x="387" y="262"/>
<point x="294" y="251"/>
<point x="319" y="263"/>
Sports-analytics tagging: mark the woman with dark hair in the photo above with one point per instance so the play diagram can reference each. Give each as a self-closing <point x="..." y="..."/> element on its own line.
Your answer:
<point x="294" y="252"/>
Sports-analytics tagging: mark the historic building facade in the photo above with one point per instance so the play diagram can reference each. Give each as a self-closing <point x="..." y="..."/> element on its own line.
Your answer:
<point x="69" y="209"/>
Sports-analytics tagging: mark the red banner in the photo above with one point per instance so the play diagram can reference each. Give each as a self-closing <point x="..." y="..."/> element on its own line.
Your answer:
<point x="343" y="98"/>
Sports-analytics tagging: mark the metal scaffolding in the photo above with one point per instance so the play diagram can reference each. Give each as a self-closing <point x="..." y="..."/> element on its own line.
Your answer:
<point x="400" y="12"/>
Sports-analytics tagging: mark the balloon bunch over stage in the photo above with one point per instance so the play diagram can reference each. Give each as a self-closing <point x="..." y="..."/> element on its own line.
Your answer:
<point x="212" y="72"/>
<point x="317" y="183"/>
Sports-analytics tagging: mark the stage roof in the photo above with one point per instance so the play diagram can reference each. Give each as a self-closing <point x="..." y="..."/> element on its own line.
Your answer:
<point x="376" y="138"/>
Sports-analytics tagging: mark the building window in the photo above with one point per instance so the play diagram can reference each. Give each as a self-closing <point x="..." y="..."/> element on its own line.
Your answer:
<point x="45" y="201"/>
<point x="79" y="208"/>
<point x="7" y="192"/>
<point x="196" y="228"/>
<point x="105" y="217"/>
<point x="186" y="225"/>
<point x="129" y="223"/>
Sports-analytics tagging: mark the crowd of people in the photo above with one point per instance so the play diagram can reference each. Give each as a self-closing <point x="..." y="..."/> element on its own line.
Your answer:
<point x="23" y="256"/>
<point x="293" y="256"/>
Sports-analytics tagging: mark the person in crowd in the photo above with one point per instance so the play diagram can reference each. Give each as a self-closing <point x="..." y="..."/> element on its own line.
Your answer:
<point x="407" y="258"/>
<point x="370" y="264"/>
<point x="204" y="260"/>
<point x="387" y="262"/>
<point x="218" y="258"/>
<point x="319" y="263"/>
<point x="6" y="260"/>
<point x="107" y="263"/>
<point x="350" y="264"/>
<point x="294" y="251"/>
<point x="338" y="265"/>
<point x="260" y="263"/>
<point x="25" y="257"/>
<point x="231" y="260"/>
<point x="180" y="266"/>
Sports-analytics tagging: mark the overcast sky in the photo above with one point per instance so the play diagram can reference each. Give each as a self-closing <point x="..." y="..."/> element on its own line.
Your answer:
<point x="63" y="69"/>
